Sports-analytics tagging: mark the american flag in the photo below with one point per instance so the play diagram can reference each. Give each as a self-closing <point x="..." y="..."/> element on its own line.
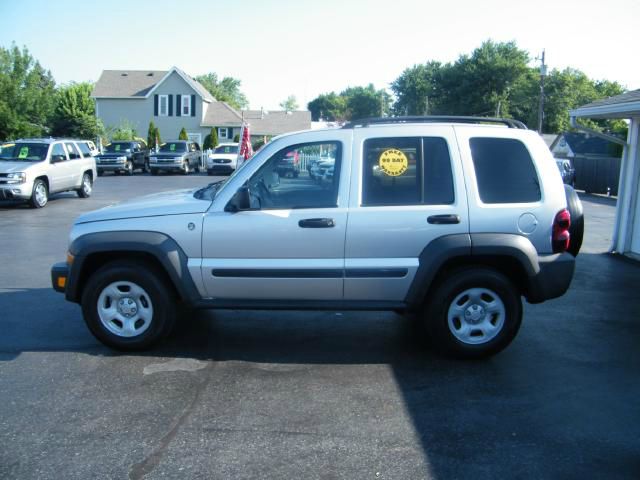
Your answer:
<point x="246" y="150"/>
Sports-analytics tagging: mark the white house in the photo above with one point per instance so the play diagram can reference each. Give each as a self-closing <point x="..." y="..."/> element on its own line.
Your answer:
<point x="626" y="234"/>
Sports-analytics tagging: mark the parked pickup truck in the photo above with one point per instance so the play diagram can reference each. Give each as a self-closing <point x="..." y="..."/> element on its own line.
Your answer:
<point x="176" y="156"/>
<point x="123" y="157"/>
<point x="452" y="219"/>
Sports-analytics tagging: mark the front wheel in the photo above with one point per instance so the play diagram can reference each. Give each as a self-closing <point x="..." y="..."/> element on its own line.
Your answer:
<point x="185" y="168"/>
<point x="474" y="313"/>
<point x="129" y="168"/>
<point x="86" y="187"/>
<point x="39" y="194"/>
<point x="146" y="168"/>
<point x="128" y="306"/>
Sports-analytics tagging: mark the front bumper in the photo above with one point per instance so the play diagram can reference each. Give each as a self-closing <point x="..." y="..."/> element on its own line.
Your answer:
<point x="553" y="279"/>
<point x="111" y="167"/>
<point x="221" y="168"/>
<point x="16" y="192"/>
<point x="60" y="276"/>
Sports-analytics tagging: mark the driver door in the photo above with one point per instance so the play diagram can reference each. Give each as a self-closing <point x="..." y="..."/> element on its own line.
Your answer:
<point x="289" y="245"/>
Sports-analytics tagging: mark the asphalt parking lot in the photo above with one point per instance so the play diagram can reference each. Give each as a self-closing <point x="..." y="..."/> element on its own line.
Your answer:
<point x="309" y="395"/>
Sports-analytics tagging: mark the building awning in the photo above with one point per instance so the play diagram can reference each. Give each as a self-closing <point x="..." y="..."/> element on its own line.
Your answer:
<point x="626" y="105"/>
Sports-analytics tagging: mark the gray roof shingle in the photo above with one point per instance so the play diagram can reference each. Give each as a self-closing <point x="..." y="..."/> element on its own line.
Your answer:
<point x="138" y="83"/>
<point x="220" y="114"/>
<point x="629" y="97"/>
<point x="278" y="122"/>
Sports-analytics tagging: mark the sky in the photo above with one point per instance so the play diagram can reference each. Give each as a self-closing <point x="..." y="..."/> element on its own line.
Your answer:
<point x="278" y="48"/>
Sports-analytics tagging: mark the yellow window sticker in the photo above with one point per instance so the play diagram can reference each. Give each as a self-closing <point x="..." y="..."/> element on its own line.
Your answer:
<point x="24" y="152"/>
<point x="172" y="147"/>
<point x="393" y="162"/>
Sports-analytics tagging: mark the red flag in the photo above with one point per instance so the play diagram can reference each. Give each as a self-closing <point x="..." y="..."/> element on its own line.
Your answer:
<point x="246" y="150"/>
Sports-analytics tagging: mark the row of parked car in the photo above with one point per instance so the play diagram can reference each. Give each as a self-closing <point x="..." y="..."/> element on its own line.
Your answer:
<point x="33" y="169"/>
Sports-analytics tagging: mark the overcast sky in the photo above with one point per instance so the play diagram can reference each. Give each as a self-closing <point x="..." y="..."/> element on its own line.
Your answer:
<point x="304" y="48"/>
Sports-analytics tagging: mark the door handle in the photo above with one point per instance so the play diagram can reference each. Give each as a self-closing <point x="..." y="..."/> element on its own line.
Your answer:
<point x="317" y="223"/>
<point x="443" y="219"/>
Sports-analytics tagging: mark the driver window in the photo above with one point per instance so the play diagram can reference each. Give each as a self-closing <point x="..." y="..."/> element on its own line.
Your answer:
<point x="299" y="176"/>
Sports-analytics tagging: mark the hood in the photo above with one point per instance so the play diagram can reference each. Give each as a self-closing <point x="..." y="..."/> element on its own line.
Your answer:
<point x="167" y="203"/>
<point x="11" y="167"/>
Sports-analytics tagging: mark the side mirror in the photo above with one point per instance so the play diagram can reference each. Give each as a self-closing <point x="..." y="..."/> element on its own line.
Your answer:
<point x="240" y="201"/>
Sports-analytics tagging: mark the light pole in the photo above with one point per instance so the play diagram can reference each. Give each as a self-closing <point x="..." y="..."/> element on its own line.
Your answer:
<point x="543" y="73"/>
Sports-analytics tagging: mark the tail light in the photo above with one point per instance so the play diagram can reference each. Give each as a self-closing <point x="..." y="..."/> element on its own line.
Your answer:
<point x="560" y="234"/>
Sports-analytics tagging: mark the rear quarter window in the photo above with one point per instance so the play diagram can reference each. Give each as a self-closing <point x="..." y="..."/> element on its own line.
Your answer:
<point x="504" y="171"/>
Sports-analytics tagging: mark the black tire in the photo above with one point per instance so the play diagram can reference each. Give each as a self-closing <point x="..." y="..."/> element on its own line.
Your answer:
<point x="146" y="168"/>
<point x="85" y="188"/>
<point x="129" y="168"/>
<point x="576" y="231"/>
<point x="460" y="282"/>
<point x="39" y="194"/>
<point x="154" y="171"/>
<point x="100" y="173"/>
<point x="157" y="293"/>
<point x="185" y="168"/>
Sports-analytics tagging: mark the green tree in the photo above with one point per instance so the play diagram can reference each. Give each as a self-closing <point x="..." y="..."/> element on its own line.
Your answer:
<point x="290" y="104"/>
<point x="151" y="135"/>
<point x="363" y="102"/>
<point x="226" y="90"/>
<point x="74" y="114"/>
<point x="211" y="140"/>
<point x="183" y="135"/>
<point x="416" y="89"/>
<point x="124" y="131"/>
<point x="27" y="95"/>
<point x="330" y="107"/>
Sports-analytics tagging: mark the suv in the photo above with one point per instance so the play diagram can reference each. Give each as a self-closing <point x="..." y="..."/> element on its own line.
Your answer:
<point x="124" y="157"/>
<point x="223" y="159"/>
<point x="177" y="156"/>
<point x="33" y="169"/>
<point x="451" y="218"/>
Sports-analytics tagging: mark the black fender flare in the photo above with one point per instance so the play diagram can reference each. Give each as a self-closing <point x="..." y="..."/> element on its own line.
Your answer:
<point x="160" y="246"/>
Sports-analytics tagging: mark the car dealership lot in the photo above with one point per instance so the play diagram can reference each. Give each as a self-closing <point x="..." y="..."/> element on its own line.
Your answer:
<point x="237" y="394"/>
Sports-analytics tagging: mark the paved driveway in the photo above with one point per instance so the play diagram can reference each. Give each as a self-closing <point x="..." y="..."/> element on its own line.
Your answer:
<point x="314" y="394"/>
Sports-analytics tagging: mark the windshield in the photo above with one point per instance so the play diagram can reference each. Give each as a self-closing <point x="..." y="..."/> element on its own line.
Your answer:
<point x="174" y="147"/>
<point x="226" y="149"/>
<point x="25" y="152"/>
<point x="117" y="148"/>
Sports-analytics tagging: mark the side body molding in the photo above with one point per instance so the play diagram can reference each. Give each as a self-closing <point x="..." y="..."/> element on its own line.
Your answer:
<point x="161" y="247"/>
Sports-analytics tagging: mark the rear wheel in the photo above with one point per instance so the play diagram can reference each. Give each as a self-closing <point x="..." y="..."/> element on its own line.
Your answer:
<point x="128" y="306"/>
<point x="87" y="186"/>
<point x="474" y="313"/>
<point x="39" y="194"/>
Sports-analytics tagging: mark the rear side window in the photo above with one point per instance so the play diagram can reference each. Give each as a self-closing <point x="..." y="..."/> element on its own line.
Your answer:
<point x="84" y="148"/>
<point x="74" y="154"/>
<point x="407" y="171"/>
<point x="504" y="171"/>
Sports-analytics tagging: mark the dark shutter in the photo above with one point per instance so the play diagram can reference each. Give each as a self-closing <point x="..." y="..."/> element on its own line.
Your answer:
<point x="193" y="105"/>
<point x="171" y="105"/>
<point x="155" y="105"/>
<point x="178" y="105"/>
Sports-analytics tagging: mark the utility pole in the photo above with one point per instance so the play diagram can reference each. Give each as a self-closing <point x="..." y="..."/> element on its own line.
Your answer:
<point x="543" y="73"/>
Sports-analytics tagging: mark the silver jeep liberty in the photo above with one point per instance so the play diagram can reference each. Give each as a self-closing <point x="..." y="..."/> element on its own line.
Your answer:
<point x="455" y="219"/>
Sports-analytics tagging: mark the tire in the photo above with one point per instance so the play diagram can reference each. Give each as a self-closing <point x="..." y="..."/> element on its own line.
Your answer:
<point x="100" y="173"/>
<point x="576" y="231"/>
<point x="39" y="194"/>
<point x="185" y="168"/>
<point x="473" y="313"/>
<point x="154" y="171"/>
<point x="129" y="168"/>
<point x="86" y="187"/>
<point x="197" y="169"/>
<point x="128" y="306"/>
<point x="146" y="168"/>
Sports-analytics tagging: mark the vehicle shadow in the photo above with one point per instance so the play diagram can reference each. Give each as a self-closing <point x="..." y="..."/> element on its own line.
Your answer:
<point x="560" y="402"/>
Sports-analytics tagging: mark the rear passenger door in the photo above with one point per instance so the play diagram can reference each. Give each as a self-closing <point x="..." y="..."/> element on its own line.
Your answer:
<point x="74" y="167"/>
<point x="406" y="192"/>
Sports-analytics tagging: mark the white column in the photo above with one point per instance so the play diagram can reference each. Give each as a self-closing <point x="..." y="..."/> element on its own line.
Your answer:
<point x="627" y="191"/>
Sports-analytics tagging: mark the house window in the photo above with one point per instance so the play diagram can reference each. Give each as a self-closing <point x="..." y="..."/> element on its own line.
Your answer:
<point x="163" y="109"/>
<point x="186" y="105"/>
<point x="222" y="132"/>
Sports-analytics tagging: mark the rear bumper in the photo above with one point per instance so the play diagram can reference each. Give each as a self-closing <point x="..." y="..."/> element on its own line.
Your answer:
<point x="60" y="277"/>
<point x="553" y="278"/>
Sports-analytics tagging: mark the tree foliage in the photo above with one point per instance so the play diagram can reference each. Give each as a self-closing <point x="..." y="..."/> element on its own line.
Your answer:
<point x="74" y="114"/>
<point x="290" y="104"/>
<point x="211" y="140"/>
<point x="352" y="103"/>
<point x="27" y="95"/>
<point x="226" y="90"/>
<point x="496" y="80"/>
<point x="151" y="135"/>
<point x="123" y="132"/>
<point x="183" y="135"/>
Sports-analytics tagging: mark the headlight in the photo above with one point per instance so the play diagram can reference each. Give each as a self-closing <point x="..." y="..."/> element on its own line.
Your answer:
<point x="17" y="177"/>
<point x="121" y="159"/>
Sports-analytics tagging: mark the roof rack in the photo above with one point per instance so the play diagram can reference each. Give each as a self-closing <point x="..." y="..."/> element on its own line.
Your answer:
<point x="365" y="122"/>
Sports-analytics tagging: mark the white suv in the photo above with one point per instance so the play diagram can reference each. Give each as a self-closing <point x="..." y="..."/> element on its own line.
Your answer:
<point x="33" y="169"/>
<point x="223" y="159"/>
<point x="451" y="218"/>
